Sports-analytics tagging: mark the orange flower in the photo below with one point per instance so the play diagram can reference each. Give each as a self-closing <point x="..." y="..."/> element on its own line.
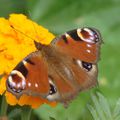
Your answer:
<point x="15" y="44"/>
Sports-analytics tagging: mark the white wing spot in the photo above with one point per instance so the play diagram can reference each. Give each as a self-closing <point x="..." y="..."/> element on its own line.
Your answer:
<point x="36" y="85"/>
<point x="29" y="84"/>
<point x="88" y="51"/>
<point x="88" y="45"/>
<point x="67" y="35"/>
<point x="24" y="62"/>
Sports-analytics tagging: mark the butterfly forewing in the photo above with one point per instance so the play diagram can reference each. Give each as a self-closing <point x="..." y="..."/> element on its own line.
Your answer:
<point x="83" y="44"/>
<point x="30" y="77"/>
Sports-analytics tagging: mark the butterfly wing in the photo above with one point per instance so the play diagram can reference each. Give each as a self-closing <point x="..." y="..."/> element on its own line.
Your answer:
<point x="70" y="77"/>
<point x="63" y="80"/>
<point x="75" y="66"/>
<point x="30" y="77"/>
<point x="83" y="44"/>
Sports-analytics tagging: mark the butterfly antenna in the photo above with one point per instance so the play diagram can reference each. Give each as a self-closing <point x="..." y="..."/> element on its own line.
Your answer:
<point x="21" y="32"/>
<point x="36" y="43"/>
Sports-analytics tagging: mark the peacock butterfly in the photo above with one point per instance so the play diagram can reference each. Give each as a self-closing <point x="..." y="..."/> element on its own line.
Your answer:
<point x="59" y="71"/>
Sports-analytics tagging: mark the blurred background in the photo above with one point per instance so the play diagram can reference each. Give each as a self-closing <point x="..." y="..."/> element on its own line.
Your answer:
<point x="62" y="15"/>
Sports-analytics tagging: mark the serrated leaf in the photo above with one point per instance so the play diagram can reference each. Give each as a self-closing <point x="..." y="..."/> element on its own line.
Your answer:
<point x="105" y="106"/>
<point x="98" y="107"/>
<point x="116" y="112"/>
<point x="98" y="111"/>
<point x="93" y="112"/>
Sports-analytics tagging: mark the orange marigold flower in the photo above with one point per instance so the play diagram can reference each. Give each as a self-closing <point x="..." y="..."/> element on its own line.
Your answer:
<point x="15" y="44"/>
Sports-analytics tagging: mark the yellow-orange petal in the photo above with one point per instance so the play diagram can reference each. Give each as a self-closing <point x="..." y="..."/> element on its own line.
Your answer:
<point x="10" y="98"/>
<point x="27" y="100"/>
<point x="2" y="85"/>
<point x="30" y="28"/>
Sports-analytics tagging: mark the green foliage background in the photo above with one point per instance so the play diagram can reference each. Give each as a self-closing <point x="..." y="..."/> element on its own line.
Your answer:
<point x="61" y="15"/>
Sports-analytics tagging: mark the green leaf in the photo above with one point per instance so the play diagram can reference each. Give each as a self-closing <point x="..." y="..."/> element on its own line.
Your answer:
<point x="116" y="112"/>
<point x="98" y="112"/>
<point x="98" y="107"/>
<point x="93" y="112"/>
<point x="104" y="105"/>
<point x="51" y="118"/>
<point x="26" y="113"/>
<point x="14" y="113"/>
<point x="3" y="107"/>
<point x="14" y="6"/>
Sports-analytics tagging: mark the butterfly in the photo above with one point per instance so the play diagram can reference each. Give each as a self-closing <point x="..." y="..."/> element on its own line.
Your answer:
<point x="60" y="70"/>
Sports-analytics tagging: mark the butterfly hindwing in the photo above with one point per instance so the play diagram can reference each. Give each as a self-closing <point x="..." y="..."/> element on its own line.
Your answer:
<point x="72" y="77"/>
<point x="63" y="80"/>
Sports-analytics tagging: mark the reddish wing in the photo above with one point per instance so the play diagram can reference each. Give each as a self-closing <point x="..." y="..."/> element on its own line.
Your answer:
<point x="70" y="77"/>
<point x="29" y="77"/>
<point x="77" y="69"/>
<point x="62" y="77"/>
<point x="83" y="44"/>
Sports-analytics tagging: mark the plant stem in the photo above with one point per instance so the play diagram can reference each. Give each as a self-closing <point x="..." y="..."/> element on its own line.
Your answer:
<point x="26" y="113"/>
<point x="4" y="106"/>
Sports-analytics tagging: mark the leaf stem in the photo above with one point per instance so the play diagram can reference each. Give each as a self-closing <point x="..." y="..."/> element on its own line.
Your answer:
<point x="4" y="106"/>
<point x="26" y="113"/>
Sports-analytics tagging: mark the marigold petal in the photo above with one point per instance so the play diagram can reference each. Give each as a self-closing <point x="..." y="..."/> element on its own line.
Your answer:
<point x="2" y="85"/>
<point x="10" y="98"/>
<point x="27" y="100"/>
<point x="37" y="32"/>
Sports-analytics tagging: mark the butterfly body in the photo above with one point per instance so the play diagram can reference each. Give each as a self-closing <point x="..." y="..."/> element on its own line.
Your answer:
<point x="59" y="71"/>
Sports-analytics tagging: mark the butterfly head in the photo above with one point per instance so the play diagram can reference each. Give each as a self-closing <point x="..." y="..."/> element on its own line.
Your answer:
<point x="89" y="35"/>
<point x="16" y="82"/>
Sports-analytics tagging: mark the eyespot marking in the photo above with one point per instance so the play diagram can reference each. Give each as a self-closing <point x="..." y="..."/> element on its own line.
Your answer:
<point x="53" y="89"/>
<point x="88" y="35"/>
<point x="53" y="93"/>
<point x="16" y="81"/>
<point x="87" y="66"/>
<point x="82" y="64"/>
